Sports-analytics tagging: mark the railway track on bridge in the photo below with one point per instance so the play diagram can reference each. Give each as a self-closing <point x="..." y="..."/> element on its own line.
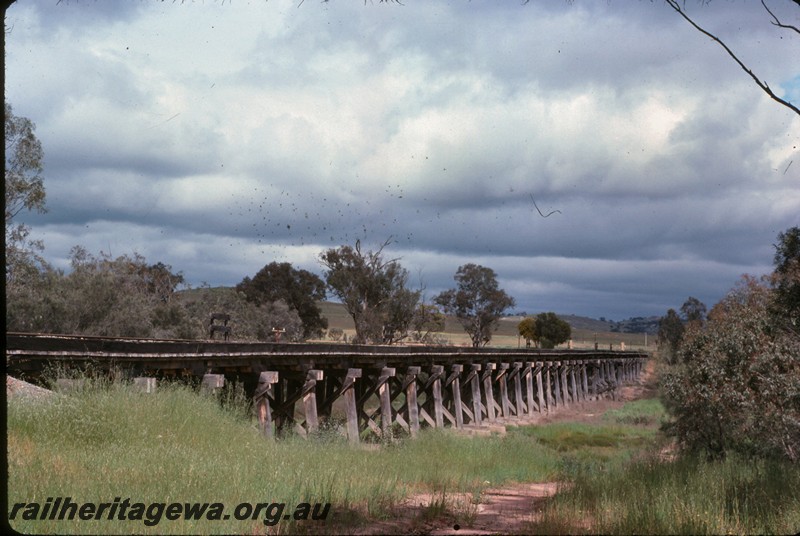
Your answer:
<point x="295" y="385"/>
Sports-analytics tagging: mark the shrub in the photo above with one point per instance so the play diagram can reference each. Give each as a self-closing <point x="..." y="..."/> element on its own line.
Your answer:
<point x="737" y="386"/>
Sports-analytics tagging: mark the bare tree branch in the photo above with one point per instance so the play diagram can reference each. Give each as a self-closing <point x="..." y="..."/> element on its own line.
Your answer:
<point x="777" y="22"/>
<point x="763" y="85"/>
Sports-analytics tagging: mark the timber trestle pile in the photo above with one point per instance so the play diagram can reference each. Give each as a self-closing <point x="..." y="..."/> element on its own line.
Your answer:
<point x="301" y="386"/>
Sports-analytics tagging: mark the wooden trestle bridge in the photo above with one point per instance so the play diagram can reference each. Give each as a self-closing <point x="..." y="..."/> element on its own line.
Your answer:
<point x="379" y="388"/>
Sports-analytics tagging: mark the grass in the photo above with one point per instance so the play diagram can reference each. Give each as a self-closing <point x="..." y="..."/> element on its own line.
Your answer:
<point x="107" y="440"/>
<point x="111" y="441"/>
<point x="685" y="496"/>
<point x="625" y="485"/>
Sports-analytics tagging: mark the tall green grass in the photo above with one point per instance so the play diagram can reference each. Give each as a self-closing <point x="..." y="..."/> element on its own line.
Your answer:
<point x="108" y="440"/>
<point x="628" y="484"/>
<point x="685" y="496"/>
<point x="111" y="441"/>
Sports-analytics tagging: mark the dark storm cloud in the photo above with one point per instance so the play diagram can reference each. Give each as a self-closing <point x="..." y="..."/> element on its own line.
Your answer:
<point x="218" y="138"/>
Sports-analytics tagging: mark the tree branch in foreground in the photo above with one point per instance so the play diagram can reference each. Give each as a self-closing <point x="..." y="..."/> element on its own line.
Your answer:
<point x="763" y="85"/>
<point x="777" y="22"/>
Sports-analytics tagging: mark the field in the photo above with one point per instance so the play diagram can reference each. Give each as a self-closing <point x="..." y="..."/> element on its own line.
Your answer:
<point x="506" y="334"/>
<point x="612" y="468"/>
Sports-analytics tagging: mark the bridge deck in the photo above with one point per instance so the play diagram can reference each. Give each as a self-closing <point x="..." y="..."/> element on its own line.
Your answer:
<point x="28" y="352"/>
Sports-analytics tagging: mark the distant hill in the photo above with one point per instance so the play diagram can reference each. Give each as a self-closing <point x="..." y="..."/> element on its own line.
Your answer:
<point x="637" y="324"/>
<point x="577" y="322"/>
<point x="338" y="318"/>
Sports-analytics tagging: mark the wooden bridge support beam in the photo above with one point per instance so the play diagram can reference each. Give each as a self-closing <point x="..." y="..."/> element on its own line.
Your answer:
<point x="573" y="366"/>
<point x="290" y="389"/>
<point x="562" y="375"/>
<point x="502" y="380"/>
<point x="540" y="387"/>
<point x="452" y="385"/>
<point x="410" y="389"/>
<point x="438" y="399"/>
<point x="558" y="401"/>
<point x="595" y="380"/>
<point x="384" y="394"/>
<point x="474" y="381"/>
<point x="212" y="383"/>
<point x="516" y="377"/>
<point x="309" y="395"/>
<point x="433" y="398"/>
<point x="527" y="373"/>
<point x="388" y="387"/>
<point x="611" y="378"/>
<point x="282" y="415"/>
<point x="582" y="387"/>
<point x="350" y="407"/>
<point x="264" y="398"/>
<point x="488" y="392"/>
<point x="603" y="375"/>
<point x="145" y="384"/>
<point x="604" y="379"/>
<point x="585" y="380"/>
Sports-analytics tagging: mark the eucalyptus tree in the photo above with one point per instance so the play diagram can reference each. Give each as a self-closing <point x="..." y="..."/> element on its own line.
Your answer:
<point x="477" y="302"/>
<point x="551" y="330"/>
<point x="300" y="289"/>
<point x="373" y="289"/>
<point x="24" y="189"/>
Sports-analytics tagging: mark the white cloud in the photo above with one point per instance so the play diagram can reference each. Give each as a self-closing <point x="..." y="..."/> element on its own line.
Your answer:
<point x="217" y="138"/>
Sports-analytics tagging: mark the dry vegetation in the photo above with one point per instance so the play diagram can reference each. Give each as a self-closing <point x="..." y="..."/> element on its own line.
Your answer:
<point x="506" y="335"/>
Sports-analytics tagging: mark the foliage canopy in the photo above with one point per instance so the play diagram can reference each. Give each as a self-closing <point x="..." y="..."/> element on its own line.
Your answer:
<point x="300" y="289"/>
<point x="552" y="330"/>
<point x="24" y="190"/>
<point x="477" y="302"/>
<point x="670" y="334"/>
<point x="373" y="290"/>
<point x="527" y="330"/>
<point x="736" y="384"/>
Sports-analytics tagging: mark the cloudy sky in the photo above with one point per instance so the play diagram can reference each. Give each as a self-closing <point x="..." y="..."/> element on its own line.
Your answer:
<point x="220" y="136"/>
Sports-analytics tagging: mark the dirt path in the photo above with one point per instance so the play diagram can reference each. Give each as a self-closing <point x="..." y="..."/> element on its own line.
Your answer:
<point x="506" y="510"/>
